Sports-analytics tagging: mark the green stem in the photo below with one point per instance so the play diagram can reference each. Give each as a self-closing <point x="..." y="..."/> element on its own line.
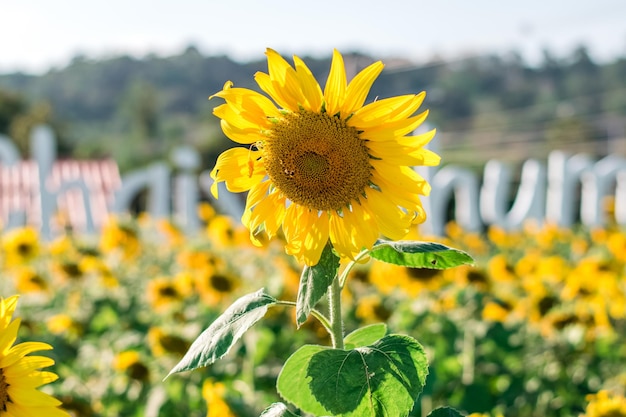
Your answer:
<point x="334" y="306"/>
<point x="319" y="316"/>
<point x="344" y="274"/>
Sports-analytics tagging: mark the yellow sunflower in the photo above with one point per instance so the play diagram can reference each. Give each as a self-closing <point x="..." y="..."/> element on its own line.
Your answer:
<point x="20" y="246"/>
<point x="321" y="165"/>
<point x="605" y="404"/>
<point x="20" y="375"/>
<point x="214" y="394"/>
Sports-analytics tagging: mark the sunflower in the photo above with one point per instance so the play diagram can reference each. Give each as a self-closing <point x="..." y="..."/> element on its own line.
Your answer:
<point x="20" y="246"/>
<point x="605" y="404"/>
<point x="322" y="165"/>
<point x="216" y="285"/>
<point x="130" y="363"/>
<point x="411" y="281"/>
<point x="162" y="343"/>
<point x="20" y="375"/>
<point x="163" y="294"/>
<point x="214" y="394"/>
<point x="28" y="280"/>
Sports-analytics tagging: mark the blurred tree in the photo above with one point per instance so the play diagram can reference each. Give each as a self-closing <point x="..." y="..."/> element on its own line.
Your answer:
<point x="143" y="107"/>
<point x="18" y="117"/>
<point x="570" y="130"/>
<point x="11" y="105"/>
<point x="139" y="110"/>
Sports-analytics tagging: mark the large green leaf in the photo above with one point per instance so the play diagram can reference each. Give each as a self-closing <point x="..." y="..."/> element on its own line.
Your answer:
<point x="445" y="412"/>
<point x="314" y="283"/>
<point x="277" y="410"/>
<point x="419" y="254"/>
<point x="380" y="380"/>
<point x="219" y="337"/>
<point x="365" y="335"/>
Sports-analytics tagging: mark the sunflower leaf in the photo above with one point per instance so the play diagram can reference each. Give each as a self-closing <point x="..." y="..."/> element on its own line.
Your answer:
<point x="365" y="335"/>
<point x="314" y="283"/>
<point x="382" y="379"/>
<point x="444" y="412"/>
<point x="225" y="331"/>
<point x="277" y="410"/>
<point x="419" y="254"/>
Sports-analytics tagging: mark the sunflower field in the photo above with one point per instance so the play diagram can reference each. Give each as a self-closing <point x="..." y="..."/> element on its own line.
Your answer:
<point x="535" y="328"/>
<point x="144" y="320"/>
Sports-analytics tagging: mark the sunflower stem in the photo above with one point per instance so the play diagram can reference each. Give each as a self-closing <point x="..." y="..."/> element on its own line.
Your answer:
<point x="315" y="313"/>
<point x="334" y="306"/>
<point x="343" y="277"/>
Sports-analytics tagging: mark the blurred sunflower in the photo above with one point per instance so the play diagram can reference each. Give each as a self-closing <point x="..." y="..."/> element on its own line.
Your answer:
<point x="223" y="232"/>
<point x="162" y="343"/>
<point x="20" y="375"/>
<point x="64" y="324"/>
<point x="131" y="364"/>
<point x="28" y="280"/>
<point x="120" y="237"/>
<point x="411" y="281"/>
<point x="214" y="393"/>
<point x="20" y="246"/>
<point x="499" y="269"/>
<point x="496" y="311"/>
<point x="67" y="270"/>
<point x="215" y="285"/>
<point x="322" y="165"/>
<point x="163" y="293"/>
<point x="605" y="404"/>
<point x="193" y="259"/>
<point x="171" y="232"/>
<point x="371" y="309"/>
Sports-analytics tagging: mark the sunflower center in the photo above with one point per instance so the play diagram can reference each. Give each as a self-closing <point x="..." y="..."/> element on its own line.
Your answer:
<point x="422" y="274"/>
<point x="24" y="249"/>
<point x="317" y="160"/>
<point x="168" y="292"/>
<point x="4" y="392"/>
<point x="221" y="283"/>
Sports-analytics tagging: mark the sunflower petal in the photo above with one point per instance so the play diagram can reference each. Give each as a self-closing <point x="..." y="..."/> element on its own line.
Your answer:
<point x="386" y="110"/>
<point x="239" y="168"/>
<point x="19" y="351"/>
<point x="310" y="86"/>
<point x="359" y="88"/>
<point x="335" y="89"/>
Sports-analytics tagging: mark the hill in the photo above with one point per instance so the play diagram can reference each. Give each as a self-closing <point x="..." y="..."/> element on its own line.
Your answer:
<point x="490" y="106"/>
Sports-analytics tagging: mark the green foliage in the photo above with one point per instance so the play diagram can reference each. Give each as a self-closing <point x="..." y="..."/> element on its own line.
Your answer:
<point x="219" y="337"/>
<point x="382" y="379"/>
<point x="277" y="410"/>
<point x="365" y="335"/>
<point x="314" y="283"/>
<point x="413" y="254"/>
<point x="445" y="412"/>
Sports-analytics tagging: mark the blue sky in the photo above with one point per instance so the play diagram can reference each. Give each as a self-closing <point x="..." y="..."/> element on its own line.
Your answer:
<point x="38" y="34"/>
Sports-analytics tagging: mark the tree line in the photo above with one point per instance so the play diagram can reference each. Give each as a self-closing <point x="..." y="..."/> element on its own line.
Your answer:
<point x="137" y="109"/>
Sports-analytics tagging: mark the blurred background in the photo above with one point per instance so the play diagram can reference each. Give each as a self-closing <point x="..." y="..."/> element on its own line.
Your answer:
<point x="130" y="80"/>
<point x="536" y="328"/>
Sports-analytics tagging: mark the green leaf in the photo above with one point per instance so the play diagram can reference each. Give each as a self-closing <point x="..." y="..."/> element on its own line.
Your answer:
<point x="314" y="283"/>
<point x="445" y="412"/>
<point x="419" y="254"/>
<point x="293" y="384"/>
<point x="219" y="337"/>
<point x="277" y="410"/>
<point x="365" y="335"/>
<point x="380" y="380"/>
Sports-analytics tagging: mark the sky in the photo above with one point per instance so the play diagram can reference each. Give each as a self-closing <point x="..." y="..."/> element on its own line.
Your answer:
<point x="36" y="35"/>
